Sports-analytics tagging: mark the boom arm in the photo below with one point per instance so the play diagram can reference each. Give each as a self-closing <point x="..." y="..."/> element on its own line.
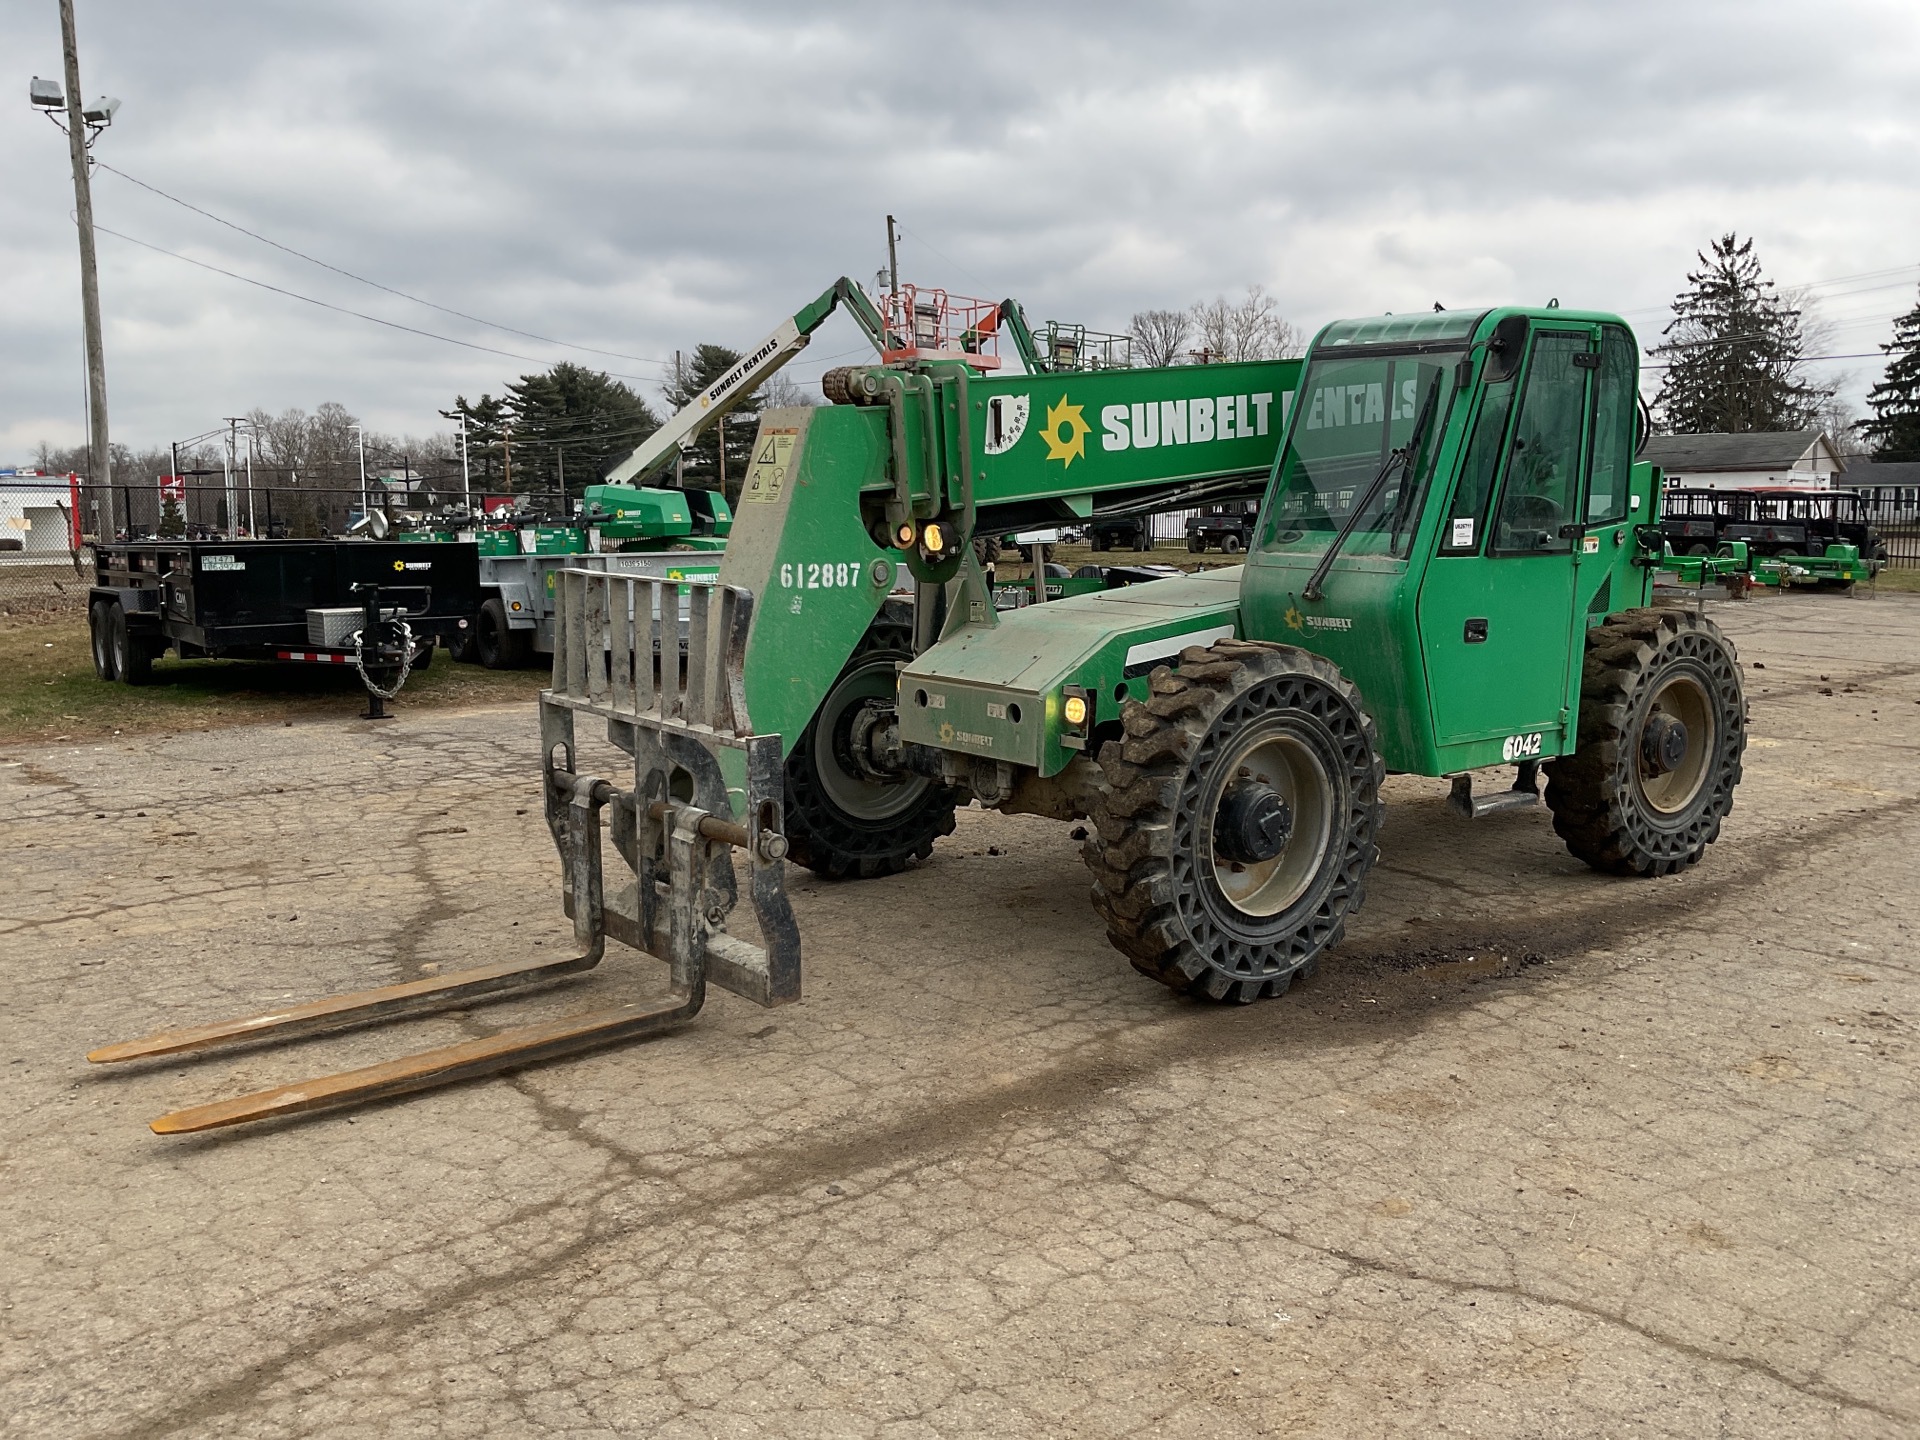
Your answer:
<point x="666" y="444"/>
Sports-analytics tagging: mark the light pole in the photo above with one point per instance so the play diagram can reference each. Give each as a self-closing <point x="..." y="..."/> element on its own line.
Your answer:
<point x="466" y="476"/>
<point x="360" y="439"/>
<point x="83" y="124"/>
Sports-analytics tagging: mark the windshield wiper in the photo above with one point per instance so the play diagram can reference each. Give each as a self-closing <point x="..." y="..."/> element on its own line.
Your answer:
<point x="1401" y="457"/>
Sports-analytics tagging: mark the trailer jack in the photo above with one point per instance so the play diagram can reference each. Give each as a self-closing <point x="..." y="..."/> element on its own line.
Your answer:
<point x="673" y="830"/>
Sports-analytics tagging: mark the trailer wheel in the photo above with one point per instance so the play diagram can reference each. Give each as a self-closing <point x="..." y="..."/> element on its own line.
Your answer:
<point x="499" y="645"/>
<point x="132" y="658"/>
<point x="1663" y="724"/>
<point x="842" y="822"/>
<point x="1240" y="820"/>
<point x="100" y="633"/>
<point x="461" y="647"/>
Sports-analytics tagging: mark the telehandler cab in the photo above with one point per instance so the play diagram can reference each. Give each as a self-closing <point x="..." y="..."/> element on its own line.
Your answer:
<point x="1451" y="571"/>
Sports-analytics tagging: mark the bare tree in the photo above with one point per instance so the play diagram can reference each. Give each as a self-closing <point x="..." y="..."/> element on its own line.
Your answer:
<point x="781" y="391"/>
<point x="1248" y="329"/>
<point x="1160" y="336"/>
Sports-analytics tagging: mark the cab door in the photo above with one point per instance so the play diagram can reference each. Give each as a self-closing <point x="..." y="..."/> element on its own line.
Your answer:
<point x="1496" y="606"/>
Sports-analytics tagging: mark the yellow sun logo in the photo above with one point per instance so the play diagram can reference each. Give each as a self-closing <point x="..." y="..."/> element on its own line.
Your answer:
<point x="1295" y="620"/>
<point x="1071" y="445"/>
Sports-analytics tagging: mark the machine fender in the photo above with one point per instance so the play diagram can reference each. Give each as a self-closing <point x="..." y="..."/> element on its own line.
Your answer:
<point x="798" y="544"/>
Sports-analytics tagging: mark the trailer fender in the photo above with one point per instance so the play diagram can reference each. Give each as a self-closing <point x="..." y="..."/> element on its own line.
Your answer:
<point x="516" y="598"/>
<point x="141" y="604"/>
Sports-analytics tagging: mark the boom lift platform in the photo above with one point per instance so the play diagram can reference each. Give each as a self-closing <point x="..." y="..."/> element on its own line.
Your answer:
<point x="1451" y="571"/>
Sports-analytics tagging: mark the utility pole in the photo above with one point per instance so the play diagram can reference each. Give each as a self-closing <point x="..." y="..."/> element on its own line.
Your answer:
<point x="679" y="456"/>
<point x="893" y="265"/>
<point x="99" y="456"/>
<point x="506" y="442"/>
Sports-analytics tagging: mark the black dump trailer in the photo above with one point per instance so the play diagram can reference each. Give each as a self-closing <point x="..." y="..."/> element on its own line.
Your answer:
<point x="299" y="601"/>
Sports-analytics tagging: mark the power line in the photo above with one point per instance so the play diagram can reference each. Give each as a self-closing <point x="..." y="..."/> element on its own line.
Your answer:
<point x="417" y="300"/>
<point x="339" y="309"/>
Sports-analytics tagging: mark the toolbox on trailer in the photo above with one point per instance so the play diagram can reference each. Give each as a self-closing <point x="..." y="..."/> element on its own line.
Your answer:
<point x="290" y="600"/>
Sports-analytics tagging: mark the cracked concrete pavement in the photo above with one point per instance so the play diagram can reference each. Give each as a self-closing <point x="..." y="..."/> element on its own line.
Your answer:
<point x="1537" y="1152"/>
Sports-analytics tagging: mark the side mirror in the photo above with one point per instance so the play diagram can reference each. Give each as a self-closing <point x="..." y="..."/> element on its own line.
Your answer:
<point x="1505" y="348"/>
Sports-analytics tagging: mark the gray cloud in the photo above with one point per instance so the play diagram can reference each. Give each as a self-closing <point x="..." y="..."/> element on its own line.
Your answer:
<point x="640" y="177"/>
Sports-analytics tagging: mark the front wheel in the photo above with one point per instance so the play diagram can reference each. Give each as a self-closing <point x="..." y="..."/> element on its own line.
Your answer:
<point x="844" y="821"/>
<point x="1240" y="820"/>
<point x="1663" y="726"/>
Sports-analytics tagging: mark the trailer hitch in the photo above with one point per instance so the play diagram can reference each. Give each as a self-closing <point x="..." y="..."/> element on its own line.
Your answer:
<point x="673" y="829"/>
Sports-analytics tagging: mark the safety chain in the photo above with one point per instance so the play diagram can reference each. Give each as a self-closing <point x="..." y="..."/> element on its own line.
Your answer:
<point x="406" y="662"/>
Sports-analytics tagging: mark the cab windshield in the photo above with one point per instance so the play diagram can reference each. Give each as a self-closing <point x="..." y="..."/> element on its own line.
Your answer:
<point x="1355" y="413"/>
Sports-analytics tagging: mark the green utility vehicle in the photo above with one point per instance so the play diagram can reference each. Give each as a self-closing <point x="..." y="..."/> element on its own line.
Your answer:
<point x="1451" y="573"/>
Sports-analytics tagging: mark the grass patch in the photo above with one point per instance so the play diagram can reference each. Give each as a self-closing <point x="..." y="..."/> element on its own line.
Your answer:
<point x="1901" y="582"/>
<point x="48" y="690"/>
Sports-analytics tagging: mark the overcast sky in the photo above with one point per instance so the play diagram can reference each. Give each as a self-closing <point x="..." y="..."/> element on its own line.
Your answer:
<point x="636" y="177"/>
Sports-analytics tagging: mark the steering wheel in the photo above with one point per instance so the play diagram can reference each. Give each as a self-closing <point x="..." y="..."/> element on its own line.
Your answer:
<point x="1530" y="522"/>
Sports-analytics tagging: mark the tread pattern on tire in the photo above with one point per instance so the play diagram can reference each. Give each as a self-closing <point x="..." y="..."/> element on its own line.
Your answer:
<point x="1141" y="854"/>
<point x="830" y="843"/>
<point x="1592" y="793"/>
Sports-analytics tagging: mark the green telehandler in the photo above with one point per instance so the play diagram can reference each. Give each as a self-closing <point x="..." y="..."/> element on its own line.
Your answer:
<point x="1451" y="574"/>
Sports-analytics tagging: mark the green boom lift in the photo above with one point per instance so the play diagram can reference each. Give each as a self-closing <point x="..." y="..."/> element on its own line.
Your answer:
<point x="1452" y="571"/>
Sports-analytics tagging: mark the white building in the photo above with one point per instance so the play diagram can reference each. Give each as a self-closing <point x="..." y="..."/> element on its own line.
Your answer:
<point x="33" y="511"/>
<point x="1764" y="460"/>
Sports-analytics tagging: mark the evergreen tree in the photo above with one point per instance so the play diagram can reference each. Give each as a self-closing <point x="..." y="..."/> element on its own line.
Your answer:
<point x="570" y="426"/>
<point x="1894" y="430"/>
<point x="702" y="467"/>
<point x="1735" y="352"/>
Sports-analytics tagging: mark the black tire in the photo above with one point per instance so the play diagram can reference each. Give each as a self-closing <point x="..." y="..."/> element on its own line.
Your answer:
<point x="1697" y="550"/>
<point x="986" y="549"/>
<point x="462" y="647"/>
<point x="1620" y="806"/>
<point x="1230" y="544"/>
<point x="841" y="824"/>
<point x="1196" y="544"/>
<point x="1159" y="875"/>
<point x="132" y="657"/>
<point x="1143" y="539"/>
<point x="1096" y="542"/>
<point x="497" y="644"/>
<point x="100" y="634"/>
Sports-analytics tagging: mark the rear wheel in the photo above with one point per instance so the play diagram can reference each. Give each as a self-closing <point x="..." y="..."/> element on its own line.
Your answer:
<point x="843" y="821"/>
<point x="1096" y="541"/>
<point x="1196" y="544"/>
<point x="132" y="657"/>
<point x="1240" y="820"/>
<point x="100" y="632"/>
<point x="499" y="645"/>
<point x="1230" y="544"/>
<point x="1143" y="539"/>
<point x="1662" y="730"/>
